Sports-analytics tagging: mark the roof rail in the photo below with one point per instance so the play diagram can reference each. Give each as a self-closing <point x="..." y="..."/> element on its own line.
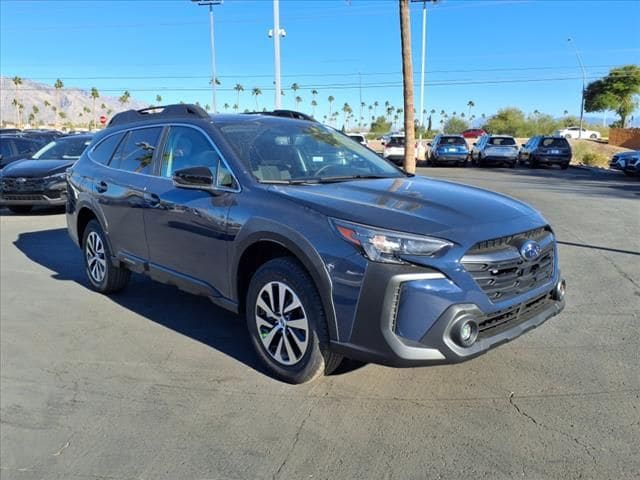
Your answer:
<point x="286" y="114"/>
<point x="166" y="111"/>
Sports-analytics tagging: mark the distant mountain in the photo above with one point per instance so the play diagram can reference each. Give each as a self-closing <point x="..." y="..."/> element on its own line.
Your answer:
<point x="71" y="101"/>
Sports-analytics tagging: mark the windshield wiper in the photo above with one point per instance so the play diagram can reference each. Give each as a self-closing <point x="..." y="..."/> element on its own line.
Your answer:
<point x="290" y="182"/>
<point x="346" y="178"/>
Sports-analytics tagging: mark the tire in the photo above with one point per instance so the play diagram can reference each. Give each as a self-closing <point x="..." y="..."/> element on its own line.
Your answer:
<point x="512" y="164"/>
<point x="593" y="136"/>
<point x="465" y="164"/>
<point x="532" y="163"/>
<point x="20" y="209"/>
<point x="564" y="166"/>
<point x="568" y="136"/>
<point x="103" y="276"/>
<point x="306" y="346"/>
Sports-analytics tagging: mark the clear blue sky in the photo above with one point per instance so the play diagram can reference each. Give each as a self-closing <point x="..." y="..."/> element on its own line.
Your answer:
<point x="470" y="46"/>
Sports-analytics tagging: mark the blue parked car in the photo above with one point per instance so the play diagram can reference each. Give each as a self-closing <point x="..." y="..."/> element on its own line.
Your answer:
<point x="449" y="149"/>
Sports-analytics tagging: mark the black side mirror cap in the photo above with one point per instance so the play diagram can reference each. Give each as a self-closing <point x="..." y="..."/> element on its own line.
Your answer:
<point x="196" y="178"/>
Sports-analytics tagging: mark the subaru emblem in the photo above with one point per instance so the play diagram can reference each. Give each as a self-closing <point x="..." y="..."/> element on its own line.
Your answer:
<point x="530" y="250"/>
<point x="21" y="180"/>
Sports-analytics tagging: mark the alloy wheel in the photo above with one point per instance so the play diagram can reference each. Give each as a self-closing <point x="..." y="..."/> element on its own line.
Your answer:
<point x="282" y="323"/>
<point x="96" y="262"/>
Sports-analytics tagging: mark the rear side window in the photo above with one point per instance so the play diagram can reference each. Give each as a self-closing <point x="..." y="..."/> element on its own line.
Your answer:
<point x="135" y="153"/>
<point x="103" y="152"/>
<point x="554" y="142"/>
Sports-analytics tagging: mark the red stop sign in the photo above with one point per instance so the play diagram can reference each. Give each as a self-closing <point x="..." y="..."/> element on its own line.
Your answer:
<point x="103" y="119"/>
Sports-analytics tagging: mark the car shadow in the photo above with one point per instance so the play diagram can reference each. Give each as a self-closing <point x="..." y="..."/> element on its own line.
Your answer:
<point x="37" y="211"/>
<point x="190" y="315"/>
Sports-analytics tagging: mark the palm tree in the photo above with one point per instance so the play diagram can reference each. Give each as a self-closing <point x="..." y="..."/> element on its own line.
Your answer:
<point x="124" y="98"/>
<point x="375" y="107"/>
<point x="94" y="96"/>
<point x="566" y="112"/>
<point x="454" y="114"/>
<point x="58" y="86"/>
<point x="207" y="107"/>
<point x="433" y="111"/>
<point x="389" y="113"/>
<point x="226" y="107"/>
<point x="298" y="100"/>
<point x="407" y="82"/>
<point x="295" y="87"/>
<point x="314" y="104"/>
<point x="345" y="109"/>
<point x="470" y="104"/>
<point x="238" y="88"/>
<point x="256" y="92"/>
<point x="16" y="104"/>
<point x="35" y="113"/>
<point x="362" y="105"/>
<point x="314" y="93"/>
<point x="17" y="81"/>
<point x="235" y="107"/>
<point x="462" y="115"/>
<point x="331" y="99"/>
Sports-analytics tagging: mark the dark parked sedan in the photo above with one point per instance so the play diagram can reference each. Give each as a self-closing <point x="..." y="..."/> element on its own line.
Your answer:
<point x="545" y="150"/>
<point x="16" y="147"/>
<point x="41" y="180"/>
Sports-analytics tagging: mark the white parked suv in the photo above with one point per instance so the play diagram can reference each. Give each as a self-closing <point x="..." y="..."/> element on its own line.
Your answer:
<point x="574" y="132"/>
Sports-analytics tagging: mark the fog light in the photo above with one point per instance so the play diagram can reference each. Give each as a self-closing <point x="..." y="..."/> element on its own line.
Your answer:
<point x="559" y="291"/>
<point x="465" y="333"/>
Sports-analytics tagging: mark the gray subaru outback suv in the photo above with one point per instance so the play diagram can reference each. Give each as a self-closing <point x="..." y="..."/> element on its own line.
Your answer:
<point x="324" y="248"/>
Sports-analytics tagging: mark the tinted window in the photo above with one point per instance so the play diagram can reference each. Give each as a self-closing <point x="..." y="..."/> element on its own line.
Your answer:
<point x="186" y="147"/>
<point x="63" y="149"/>
<point x="357" y="138"/>
<point x="502" y="141"/>
<point x="135" y="153"/>
<point x="554" y="142"/>
<point x="224" y="177"/>
<point x="396" y="142"/>
<point x="24" y="146"/>
<point x="452" y="141"/>
<point x="5" y="148"/>
<point x="103" y="152"/>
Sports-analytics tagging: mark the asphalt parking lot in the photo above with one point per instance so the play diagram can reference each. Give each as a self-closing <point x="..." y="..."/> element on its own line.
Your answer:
<point x="157" y="384"/>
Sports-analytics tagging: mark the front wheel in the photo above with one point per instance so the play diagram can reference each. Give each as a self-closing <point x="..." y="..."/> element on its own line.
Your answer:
<point x="287" y="323"/>
<point x="564" y="166"/>
<point x="593" y="136"/>
<point x="20" y="209"/>
<point x="102" y="274"/>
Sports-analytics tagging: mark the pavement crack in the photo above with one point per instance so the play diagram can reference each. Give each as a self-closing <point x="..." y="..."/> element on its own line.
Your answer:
<point x="64" y="447"/>
<point x="546" y="427"/>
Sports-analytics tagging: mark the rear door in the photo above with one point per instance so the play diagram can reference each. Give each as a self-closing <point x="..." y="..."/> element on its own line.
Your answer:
<point x="187" y="229"/>
<point x="121" y="192"/>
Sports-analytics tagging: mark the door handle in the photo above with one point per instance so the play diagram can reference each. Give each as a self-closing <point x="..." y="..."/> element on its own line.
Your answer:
<point x="151" y="199"/>
<point x="101" y="187"/>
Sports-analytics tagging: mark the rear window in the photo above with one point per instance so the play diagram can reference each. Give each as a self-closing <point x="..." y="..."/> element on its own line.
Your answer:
<point x="503" y="141"/>
<point x="554" y="142"/>
<point x="396" y="142"/>
<point x="452" y="141"/>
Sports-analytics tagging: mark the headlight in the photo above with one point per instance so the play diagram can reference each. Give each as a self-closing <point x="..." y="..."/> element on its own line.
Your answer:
<point x="58" y="177"/>
<point x="387" y="246"/>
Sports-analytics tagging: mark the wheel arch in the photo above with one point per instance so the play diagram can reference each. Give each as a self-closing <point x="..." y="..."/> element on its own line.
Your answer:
<point x="258" y="247"/>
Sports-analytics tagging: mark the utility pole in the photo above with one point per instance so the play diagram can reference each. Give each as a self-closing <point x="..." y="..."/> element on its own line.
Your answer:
<point x="584" y="81"/>
<point x="276" y="33"/>
<point x="407" y="80"/>
<point x="210" y="4"/>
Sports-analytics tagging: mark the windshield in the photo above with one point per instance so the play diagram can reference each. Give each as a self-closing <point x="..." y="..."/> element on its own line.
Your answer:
<point x="503" y="141"/>
<point x="286" y="151"/>
<point x="452" y="141"/>
<point x="63" y="149"/>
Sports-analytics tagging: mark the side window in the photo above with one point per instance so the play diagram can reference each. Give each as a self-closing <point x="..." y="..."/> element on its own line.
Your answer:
<point x="5" y="148"/>
<point x="224" y="177"/>
<point x="187" y="147"/>
<point x="135" y="153"/>
<point x="25" y="146"/>
<point x="103" y="152"/>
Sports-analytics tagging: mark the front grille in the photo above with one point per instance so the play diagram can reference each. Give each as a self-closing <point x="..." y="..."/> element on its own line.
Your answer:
<point x="502" y="320"/>
<point x="501" y="272"/>
<point x="24" y="184"/>
<point x="24" y="196"/>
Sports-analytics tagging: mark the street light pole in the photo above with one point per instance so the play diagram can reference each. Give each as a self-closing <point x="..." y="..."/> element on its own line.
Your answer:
<point x="424" y="51"/>
<point x="276" y="33"/>
<point x="210" y="4"/>
<point x="584" y="81"/>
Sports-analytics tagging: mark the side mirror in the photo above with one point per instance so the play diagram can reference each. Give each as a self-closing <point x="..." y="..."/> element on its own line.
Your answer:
<point x="475" y="143"/>
<point x="382" y="142"/>
<point x="195" y="178"/>
<point x="428" y="144"/>
<point x="524" y="144"/>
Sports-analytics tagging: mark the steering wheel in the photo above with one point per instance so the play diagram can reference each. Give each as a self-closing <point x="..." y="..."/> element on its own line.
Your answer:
<point x="329" y="167"/>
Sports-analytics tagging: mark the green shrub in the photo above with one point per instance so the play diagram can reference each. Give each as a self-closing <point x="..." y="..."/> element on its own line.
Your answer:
<point x="594" y="159"/>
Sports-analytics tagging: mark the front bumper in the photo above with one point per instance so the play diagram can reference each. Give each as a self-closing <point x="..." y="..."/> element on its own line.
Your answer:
<point x="51" y="197"/>
<point x="409" y="318"/>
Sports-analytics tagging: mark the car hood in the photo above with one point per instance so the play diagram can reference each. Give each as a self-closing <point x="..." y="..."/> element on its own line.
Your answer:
<point x="36" y="168"/>
<point x="420" y="205"/>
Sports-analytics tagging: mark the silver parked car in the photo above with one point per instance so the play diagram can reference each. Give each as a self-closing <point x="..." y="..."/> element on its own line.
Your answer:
<point x="495" y="149"/>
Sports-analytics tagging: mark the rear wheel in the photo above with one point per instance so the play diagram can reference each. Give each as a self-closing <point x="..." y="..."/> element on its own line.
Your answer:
<point x="532" y="162"/>
<point x="20" y="209"/>
<point x="564" y="166"/>
<point x="287" y="323"/>
<point x="102" y="274"/>
<point x="593" y="136"/>
<point x="513" y="164"/>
